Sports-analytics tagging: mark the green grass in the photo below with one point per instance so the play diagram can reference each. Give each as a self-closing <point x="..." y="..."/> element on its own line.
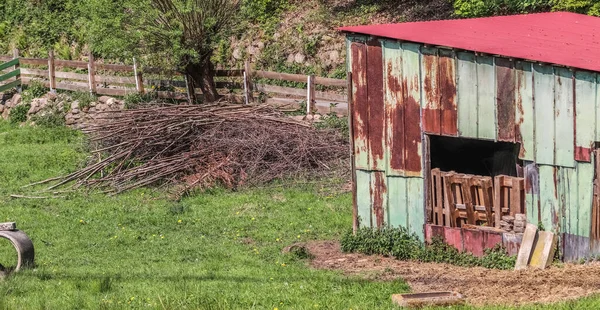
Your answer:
<point x="214" y="250"/>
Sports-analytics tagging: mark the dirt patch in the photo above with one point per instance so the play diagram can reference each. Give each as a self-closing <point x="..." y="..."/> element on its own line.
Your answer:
<point x="481" y="286"/>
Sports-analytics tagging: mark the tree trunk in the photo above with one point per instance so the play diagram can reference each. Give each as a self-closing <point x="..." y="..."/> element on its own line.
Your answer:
<point x="203" y="77"/>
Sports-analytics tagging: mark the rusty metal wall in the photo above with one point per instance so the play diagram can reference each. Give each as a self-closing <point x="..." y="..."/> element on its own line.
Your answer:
<point x="404" y="90"/>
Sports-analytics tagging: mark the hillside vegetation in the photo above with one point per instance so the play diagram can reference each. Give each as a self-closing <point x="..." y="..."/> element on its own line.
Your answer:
<point x="282" y="35"/>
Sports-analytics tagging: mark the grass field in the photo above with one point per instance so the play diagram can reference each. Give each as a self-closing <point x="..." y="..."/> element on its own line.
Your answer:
<point x="214" y="250"/>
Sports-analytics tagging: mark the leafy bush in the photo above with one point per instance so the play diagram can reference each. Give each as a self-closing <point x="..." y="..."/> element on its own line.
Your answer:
<point x="50" y="117"/>
<point x="333" y="121"/>
<point x="85" y="99"/>
<point x="18" y="114"/>
<point x="35" y="89"/>
<point x="134" y="99"/>
<point x="399" y="243"/>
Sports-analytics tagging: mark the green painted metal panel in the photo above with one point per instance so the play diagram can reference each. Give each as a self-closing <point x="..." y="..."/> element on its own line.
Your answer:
<point x="411" y="69"/>
<point x="349" y="39"/>
<point x="525" y="113"/>
<point x="379" y="199"/>
<point x="573" y="211"/>
<point x="585" y="118"/>
<point x="549" y="208"/>
<point x="564" y="205"/>
<point x="394" y="107"/>
<point x="10" y="85"/>
<point x="397" y="204"/>
<point x="585" y="177"/>
<point x="9" y="64"/>
<point x="416" y="206"/>
<point x="363" y="197"/>
<point x="360" y="107"/>
<point x="10" y="75"/>
<point x="486" y="98"/>
<point x="467" y="94"/>
<point x="532" y="192"/>
<point x="543" y="77"/>
<point x="564" y="148"/>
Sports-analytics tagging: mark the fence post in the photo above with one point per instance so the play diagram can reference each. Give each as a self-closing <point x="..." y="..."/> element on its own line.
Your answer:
<point x="139" y="82"/>
<point x="92" y="74"/>
<point x="189" y="87"/>
<point x="310" y="93"/>
<point x="248" y="82"/>
<point x="51" y="71"/>
<point x="17" y="66"/>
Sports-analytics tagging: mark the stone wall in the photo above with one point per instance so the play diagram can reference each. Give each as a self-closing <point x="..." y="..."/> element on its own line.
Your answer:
<point x="76" y="114"/>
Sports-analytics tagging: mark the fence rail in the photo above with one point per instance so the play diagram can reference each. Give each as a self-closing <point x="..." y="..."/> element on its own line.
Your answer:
<point x="12" y="78"/>
<point x="239" y="85"/>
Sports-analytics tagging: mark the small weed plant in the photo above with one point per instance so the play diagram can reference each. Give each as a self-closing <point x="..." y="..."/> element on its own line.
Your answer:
<point x="399" y="243"/>
<point x="85" y="99"/>
<point x="35" y="89"/>
<point x="50" y="117"/>
<point x="333" y="121"/>
<point x="18" y="114"/>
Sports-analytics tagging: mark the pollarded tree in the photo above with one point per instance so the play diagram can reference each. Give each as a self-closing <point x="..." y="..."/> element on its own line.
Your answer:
<point x="167" y="33"/>
<point x="189" y="29"/>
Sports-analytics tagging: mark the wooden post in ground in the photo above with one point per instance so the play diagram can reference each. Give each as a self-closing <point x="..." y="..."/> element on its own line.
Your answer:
<point x="248" y="82"/>
<point x="92" y="74"/>
<point x="51" y="71"/>
<point x="139" y="82"/>
<point x="310" y="94"/>
<point x="18" y="77"/>
<point x="189" y="87"/>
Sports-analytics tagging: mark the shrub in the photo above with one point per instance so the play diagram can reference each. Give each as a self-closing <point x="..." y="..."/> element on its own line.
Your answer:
<point x="50" y="117"/>
<point x="332" y="121"/>
<point x="399" y="243"/>
<point x="18" y="114"/>
<point x="35" y="89"/>
<point x="85" y="99"/>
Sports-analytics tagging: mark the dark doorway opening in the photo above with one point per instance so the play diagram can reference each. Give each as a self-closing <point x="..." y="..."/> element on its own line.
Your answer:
<point x="472" y="156"/>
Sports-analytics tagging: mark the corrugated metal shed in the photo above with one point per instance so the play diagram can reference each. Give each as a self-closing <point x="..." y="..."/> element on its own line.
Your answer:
<point x="407" y="85"/>
<point x="562" y="38"/>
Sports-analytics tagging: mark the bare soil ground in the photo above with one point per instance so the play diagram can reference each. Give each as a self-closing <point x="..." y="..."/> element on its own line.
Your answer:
<point x="481" y="286"/>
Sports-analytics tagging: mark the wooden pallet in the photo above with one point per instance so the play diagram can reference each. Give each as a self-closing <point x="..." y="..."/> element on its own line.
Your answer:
<point x="464" y="199"/>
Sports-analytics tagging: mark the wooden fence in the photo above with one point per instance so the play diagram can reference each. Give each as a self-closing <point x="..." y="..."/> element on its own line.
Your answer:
<point x="12" y="74"/>
<point x="238" y="84"/>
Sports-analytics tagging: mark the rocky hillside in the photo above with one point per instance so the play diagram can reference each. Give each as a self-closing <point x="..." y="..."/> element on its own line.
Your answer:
<point x="304" y="39"/>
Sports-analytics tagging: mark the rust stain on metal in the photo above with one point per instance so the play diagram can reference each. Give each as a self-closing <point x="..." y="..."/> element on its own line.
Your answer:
<point x="583" y="154"/>
<point x="555" y="177"/>
<point x="375" y="104"/>
<point x="360" y="107"/>
<point x="505" y="99"/>
<point x="378" y="193"/>
<point x="531" y="179"/>
<point x="447" y="89"/>
<point x="519" y="106"/>
<point x="396" y="121"/>
<point x="431" y="111"/>
<point x="412" y="129"/>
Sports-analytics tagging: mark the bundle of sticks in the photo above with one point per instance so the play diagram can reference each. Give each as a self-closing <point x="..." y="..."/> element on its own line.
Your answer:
<point x="201" y="146"/>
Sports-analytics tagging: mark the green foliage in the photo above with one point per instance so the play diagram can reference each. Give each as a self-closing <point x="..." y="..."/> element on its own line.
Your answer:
<point x="35" y="89"/>
<point x="264" y="12"/>
<point x="84" y="99"/>
<point x="590" y="7"/>
<point x="399" y="243"/>
<point x="479" y="8"/>
<point x="333" y="121"/>
<point x="18" y="114"/>
<point x="132" y="100"/>
<point x="49" y="117"/>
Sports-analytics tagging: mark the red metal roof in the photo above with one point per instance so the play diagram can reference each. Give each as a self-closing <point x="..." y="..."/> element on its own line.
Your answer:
<point x="562" y="38"/>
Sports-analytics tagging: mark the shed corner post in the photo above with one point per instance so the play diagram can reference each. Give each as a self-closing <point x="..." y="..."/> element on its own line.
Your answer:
<point x="355" y="221"/>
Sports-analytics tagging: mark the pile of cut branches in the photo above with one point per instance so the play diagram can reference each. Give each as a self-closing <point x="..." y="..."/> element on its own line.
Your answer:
<point x="200" y="146"/>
